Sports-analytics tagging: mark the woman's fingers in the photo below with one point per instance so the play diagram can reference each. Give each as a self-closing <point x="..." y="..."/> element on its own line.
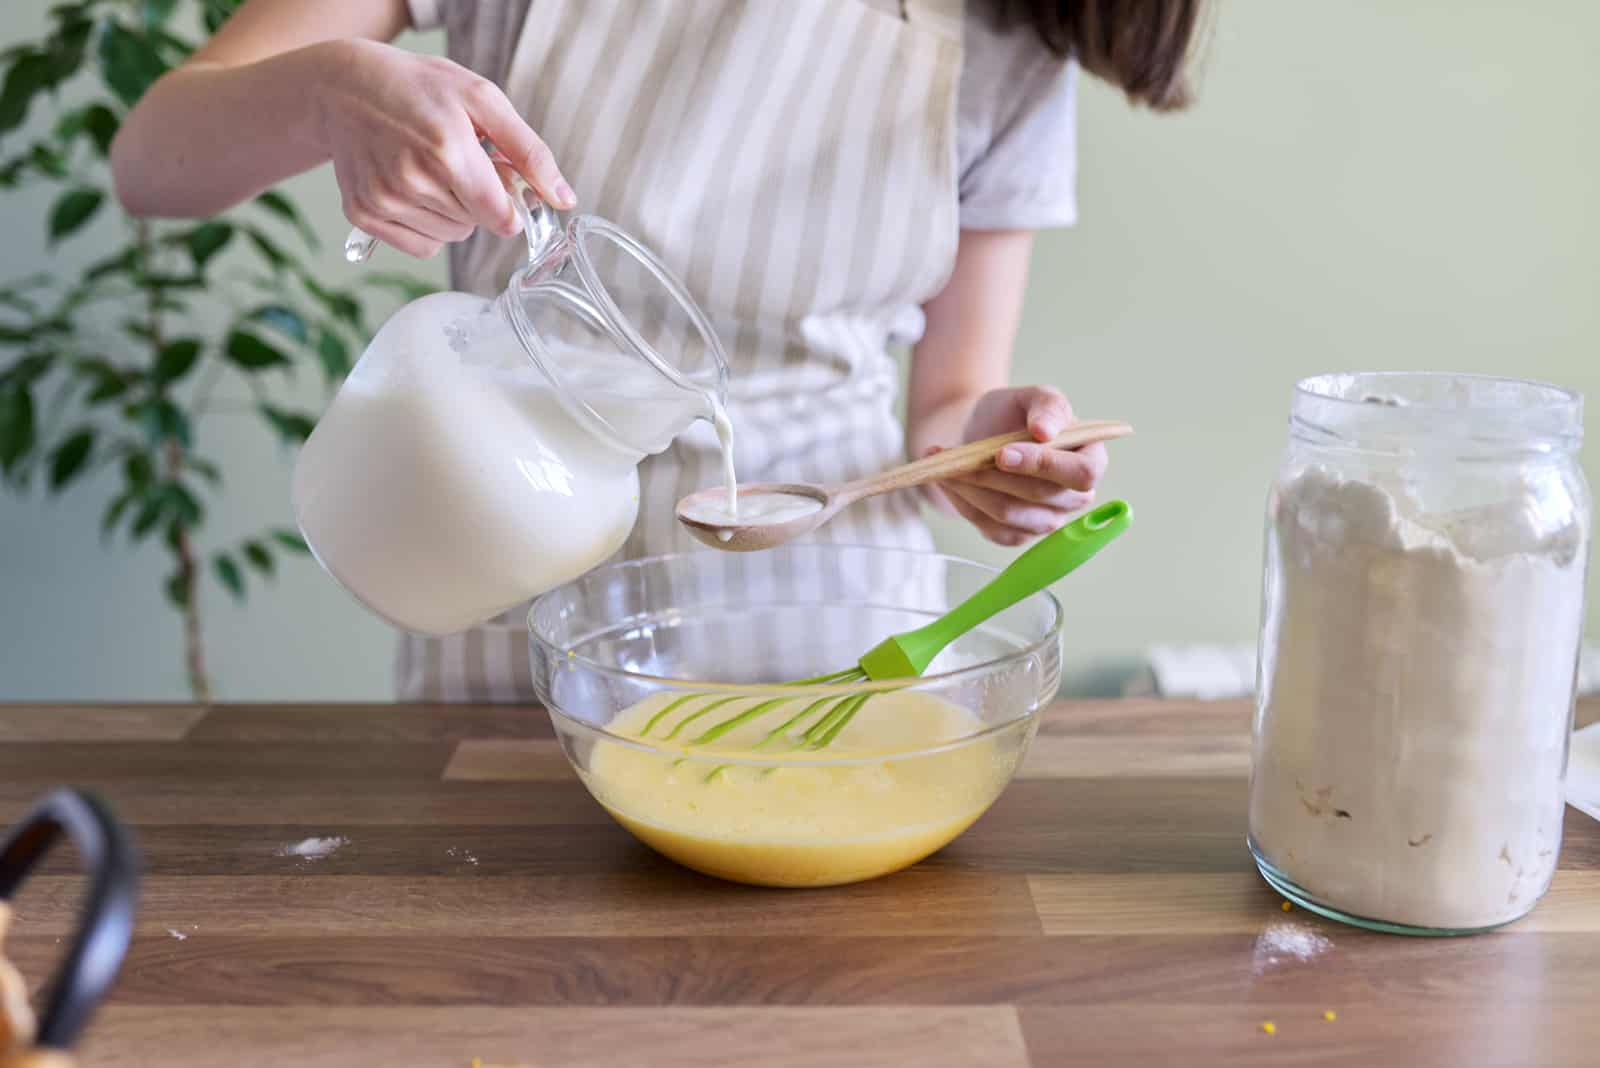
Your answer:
<point x="998" y="533"/>
<point x="1008" y="511"/>
<point x="1036" y="490"/>
<point x="398" y="235"/>
<point x="1045" y="411"/>
<point x="494" y="114"/>
<point x="1076" y="470"/>
<point x="476" y="182"/>
<point x="435" y="227"/>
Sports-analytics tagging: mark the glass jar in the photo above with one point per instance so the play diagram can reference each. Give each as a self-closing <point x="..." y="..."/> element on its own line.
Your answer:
<point x="1426" y="545"/>
<point x="484" y="451"/>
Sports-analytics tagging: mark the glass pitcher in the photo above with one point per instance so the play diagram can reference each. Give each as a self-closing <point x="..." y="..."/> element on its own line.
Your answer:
<point x="483" y="451"/>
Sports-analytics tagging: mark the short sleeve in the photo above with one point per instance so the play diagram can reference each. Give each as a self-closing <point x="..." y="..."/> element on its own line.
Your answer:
<point x="1016" y="132"/>
<point x="427" y="14"/>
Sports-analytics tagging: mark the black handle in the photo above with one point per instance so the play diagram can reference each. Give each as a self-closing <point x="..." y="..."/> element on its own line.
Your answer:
<point x="111" y="860"/>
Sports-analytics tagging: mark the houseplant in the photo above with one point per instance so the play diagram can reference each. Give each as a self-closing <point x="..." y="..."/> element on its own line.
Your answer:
<point x="116" y="366"/>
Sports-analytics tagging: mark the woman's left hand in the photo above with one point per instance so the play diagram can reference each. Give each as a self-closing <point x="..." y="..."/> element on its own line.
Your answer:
<point x="1035" y="487"/>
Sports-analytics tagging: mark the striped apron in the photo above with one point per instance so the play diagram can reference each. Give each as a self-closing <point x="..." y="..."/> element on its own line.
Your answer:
<point x="795" y="165"/>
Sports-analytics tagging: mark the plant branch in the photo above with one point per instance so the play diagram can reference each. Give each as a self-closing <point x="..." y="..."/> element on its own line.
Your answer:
<point x="181" y="543"/>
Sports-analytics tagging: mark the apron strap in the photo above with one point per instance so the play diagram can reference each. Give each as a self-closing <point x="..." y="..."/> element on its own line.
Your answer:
<point x="942" y="17"/>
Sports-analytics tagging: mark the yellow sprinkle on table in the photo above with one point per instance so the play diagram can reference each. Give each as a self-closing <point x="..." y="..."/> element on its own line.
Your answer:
<point x="1270" y="1028"/>
<point x="1286" y="906"/>
<point x="1330" y="1016"/>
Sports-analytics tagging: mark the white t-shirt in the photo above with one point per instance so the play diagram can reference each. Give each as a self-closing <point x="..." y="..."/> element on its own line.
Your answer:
<point x="1016" y="125"/>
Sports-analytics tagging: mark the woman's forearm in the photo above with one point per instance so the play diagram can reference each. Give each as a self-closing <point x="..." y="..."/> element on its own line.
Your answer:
<point x="965" y="351"/>
<point x="207" y="136"/>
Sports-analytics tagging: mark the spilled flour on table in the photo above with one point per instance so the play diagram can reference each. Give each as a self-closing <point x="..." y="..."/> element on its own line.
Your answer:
<point x="1285" y="940"/>
<point x="312" y="849"/>
<point x="179" y="935"/>
<point x="462" y="854"/>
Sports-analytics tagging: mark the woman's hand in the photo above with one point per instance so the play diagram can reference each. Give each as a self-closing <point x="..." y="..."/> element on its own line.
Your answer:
<point x="403" y="131"/>
<point x="1035" y="488"/>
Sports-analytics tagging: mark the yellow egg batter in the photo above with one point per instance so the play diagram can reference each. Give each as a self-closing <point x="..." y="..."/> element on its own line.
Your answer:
<point x="816" y="821"/>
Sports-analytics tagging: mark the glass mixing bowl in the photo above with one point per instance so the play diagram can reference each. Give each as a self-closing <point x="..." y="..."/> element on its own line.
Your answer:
<point x="697" y="638"/>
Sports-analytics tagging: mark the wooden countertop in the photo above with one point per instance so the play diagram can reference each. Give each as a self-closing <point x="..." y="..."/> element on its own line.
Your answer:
<point x="1105" y="912"/>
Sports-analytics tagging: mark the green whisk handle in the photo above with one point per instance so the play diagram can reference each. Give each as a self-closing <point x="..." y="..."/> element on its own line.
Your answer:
<point x="1054" y="557"/>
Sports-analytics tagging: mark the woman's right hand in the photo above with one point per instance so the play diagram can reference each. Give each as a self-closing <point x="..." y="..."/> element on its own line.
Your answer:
<point x="404" y="130"/>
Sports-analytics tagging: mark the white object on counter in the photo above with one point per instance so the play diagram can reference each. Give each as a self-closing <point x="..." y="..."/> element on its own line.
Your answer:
<point x="1408" y="758"/>
<point x="1583" y="771"/>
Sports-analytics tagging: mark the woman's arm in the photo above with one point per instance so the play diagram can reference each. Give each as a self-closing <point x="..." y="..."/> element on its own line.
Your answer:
<point x="958" y="393"/>
<point x="288" y="84"/>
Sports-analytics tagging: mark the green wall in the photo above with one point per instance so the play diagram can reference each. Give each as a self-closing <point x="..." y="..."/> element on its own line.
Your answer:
<point x="1364" y="185"/>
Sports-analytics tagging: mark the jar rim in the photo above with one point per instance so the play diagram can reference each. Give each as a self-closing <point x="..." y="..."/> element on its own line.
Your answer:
<point x="1339" y="387"/>
<point x="1408" y="412"/>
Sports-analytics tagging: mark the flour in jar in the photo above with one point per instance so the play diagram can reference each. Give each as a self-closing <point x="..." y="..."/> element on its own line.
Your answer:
<point x="1406" y="766"/>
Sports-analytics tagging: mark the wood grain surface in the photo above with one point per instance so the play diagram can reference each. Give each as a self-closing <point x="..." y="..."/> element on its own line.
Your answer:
<point x="1104" y="912"/>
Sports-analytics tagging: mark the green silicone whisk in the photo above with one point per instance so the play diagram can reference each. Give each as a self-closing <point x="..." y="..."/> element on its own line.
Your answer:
<point x="908" y="655"/>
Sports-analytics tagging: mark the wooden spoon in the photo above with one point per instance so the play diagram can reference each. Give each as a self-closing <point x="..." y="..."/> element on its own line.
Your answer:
<point x="802" y="507"/>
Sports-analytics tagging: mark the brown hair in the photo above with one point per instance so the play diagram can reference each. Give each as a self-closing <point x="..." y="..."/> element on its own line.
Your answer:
<point x="1140" y="46"/>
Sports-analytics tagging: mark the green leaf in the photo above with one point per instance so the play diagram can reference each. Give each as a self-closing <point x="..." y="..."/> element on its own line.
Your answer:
<point x="182" y="505"/>
<point x="48" y="161"/>
<point x="95" y="367"/>
<point x="101" y="123"/>
<point x="29" y="369"/>
<point x="73" y="210"/>
<point x="250" y="353"/>
<point x="284" y="320"/>
<point x="31" y="73"/>
<point x="268" y="249"/>
<point x="291" y="541"/>
<point x="107" y="389"/>
<point x="172" y="281"/>
<point x="258" y="557"/>
<point x="174" y="48"/>
<point x="408" y="287"/>
<point x="114" y="512"/>
<point x="67" y="46"/>
<point x="16" y="425"/>
<point x="149" y="515"/>
<point x="228" y="574"/>
<point x="333" y="353"/>
<point x="293" y="426"/>
<point x="340" y="305"/>
<point x="139" y="331"/>
<point x="284" y="208"/>
<point x="69" y="126"/>
<point x="177" y="588"/>
<point x="206" y="240"/>
<point x="126" y="261"/>
<point x="12" y="299"/>
<point x="96" y="120"/>
<point x="157" y="12"/>
<point x="204" y="468"/>
<point x="217" y="12"/>
<point x="138" y="471"/>
<point x="70" y="456"/>
<point x="129" y="62"/>
<point x="175" y="360"/>
<point x="161" y="421"/>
